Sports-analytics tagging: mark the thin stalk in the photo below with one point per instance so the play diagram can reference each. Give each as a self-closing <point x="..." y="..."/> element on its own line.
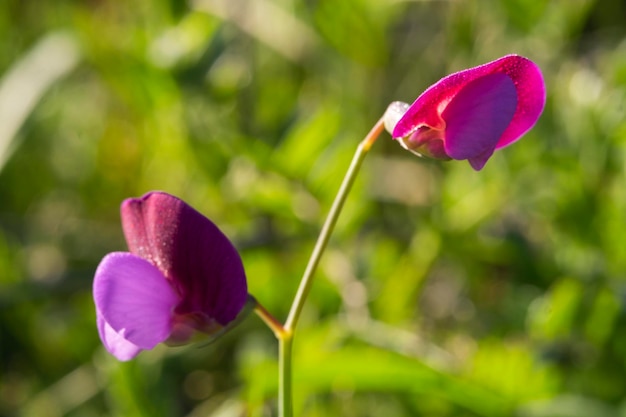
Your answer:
<point x="285" y="407"/>
<point x="271" y="322"/>
<point x="285" y="397"/>
<point x="285" y="333"/>
<point x="329" y="224"/>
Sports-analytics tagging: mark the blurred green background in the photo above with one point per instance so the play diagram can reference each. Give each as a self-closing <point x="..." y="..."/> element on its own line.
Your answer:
<point x="444" y="292"/>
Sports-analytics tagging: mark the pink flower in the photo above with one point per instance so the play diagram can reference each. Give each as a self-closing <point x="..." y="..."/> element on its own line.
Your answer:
<point x="471" y="113"/>
<point x="181" y="276"/>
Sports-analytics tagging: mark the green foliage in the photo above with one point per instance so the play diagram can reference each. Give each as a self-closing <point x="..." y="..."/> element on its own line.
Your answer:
<point x="444" y="293"/>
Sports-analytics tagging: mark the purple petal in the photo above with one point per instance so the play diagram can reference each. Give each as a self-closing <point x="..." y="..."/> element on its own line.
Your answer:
<point x="190" y="251"/>
<point x="477" y="116"/>
<point x="529" y="85"/>
<point x="115" y="343"/>
<point x="531" y="96"/>
<point x="134" y="303"/>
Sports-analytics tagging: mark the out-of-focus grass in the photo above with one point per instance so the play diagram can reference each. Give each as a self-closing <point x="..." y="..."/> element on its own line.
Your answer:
<point x="445" y="292"/>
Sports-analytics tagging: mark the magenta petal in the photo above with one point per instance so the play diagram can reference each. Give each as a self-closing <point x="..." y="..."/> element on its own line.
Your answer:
<point x="134" y="301"/>
<point x="191" y="252"/>
<point x="478" y="115"/>
<point x="531" y="95"/>
<point x="429" y="108"/>
<point x="115" y="343"/>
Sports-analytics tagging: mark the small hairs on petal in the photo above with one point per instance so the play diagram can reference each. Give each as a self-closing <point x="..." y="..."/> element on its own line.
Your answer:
<point x="190" y="251"/>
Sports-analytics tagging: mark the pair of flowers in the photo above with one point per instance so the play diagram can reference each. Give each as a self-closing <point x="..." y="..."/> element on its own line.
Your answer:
<point x="183" y="276"/>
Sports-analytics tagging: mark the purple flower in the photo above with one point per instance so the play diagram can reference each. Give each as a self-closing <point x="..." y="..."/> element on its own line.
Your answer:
<point x="471" y="113"/>
<point x="181" y="276"/>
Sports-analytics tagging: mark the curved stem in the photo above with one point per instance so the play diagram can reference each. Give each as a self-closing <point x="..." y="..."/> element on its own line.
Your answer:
<point x="285" y="333"/>
<point x="329" y="224"/>
<point x="270" y="321"/>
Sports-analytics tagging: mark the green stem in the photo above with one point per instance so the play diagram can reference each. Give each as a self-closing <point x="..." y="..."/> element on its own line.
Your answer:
<point x="286" y="333"/>
<point x="285" y="338"/>
<point x="285" y="401"/>
<point x="329" y="224"/>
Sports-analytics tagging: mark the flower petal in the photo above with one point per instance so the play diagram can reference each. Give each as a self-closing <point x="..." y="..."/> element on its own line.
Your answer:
<point x="190" y="251"/>
<point x="115" y="343"/>
<point x="531" y="97"/>
<point x="134" y="301"/>
<point x="477" y="116"/>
